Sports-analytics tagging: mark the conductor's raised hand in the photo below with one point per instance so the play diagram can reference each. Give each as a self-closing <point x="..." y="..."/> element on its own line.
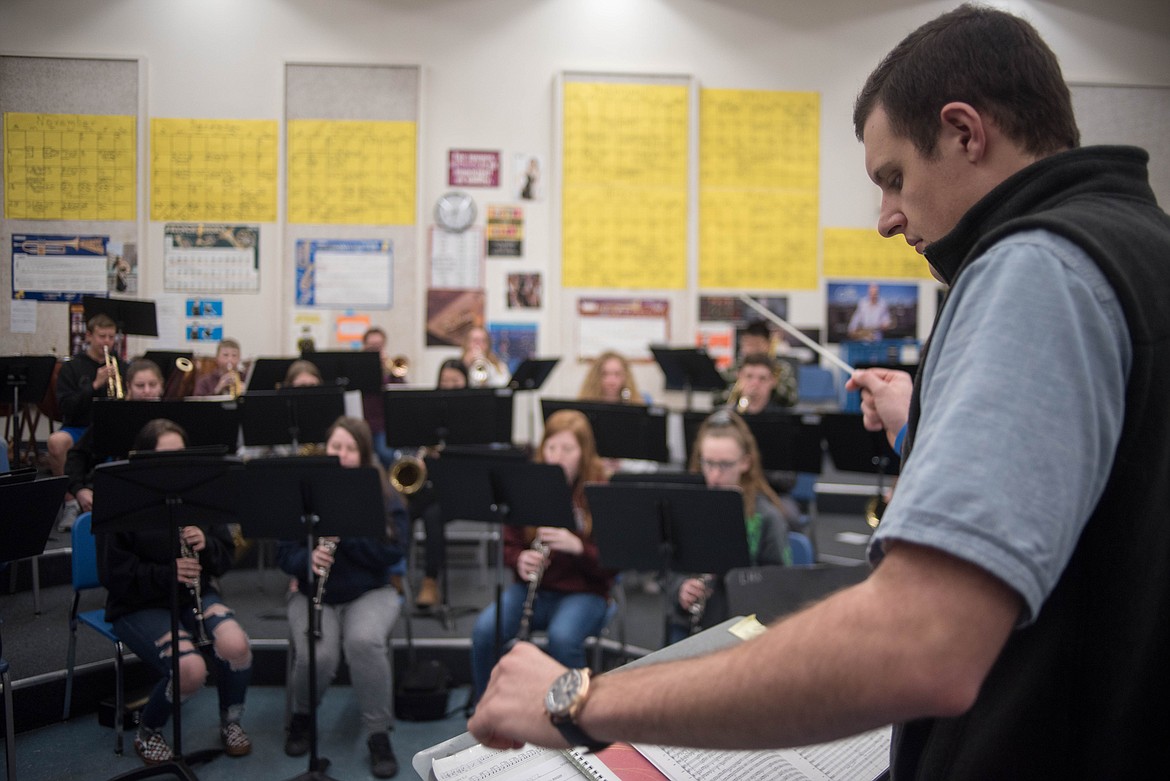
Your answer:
<point x="885" y="399"/>
<point x="511" y="711"/>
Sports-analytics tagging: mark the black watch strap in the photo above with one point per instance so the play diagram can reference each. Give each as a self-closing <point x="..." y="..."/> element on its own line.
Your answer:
<point x="577" y="736"/>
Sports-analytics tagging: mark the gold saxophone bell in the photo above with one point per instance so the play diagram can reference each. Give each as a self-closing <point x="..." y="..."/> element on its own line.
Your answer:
<point x="409" y="473"/>
<point x="478" y="374"/>
<point x="184" y="364"/>
<point x="114" y="379"/>
<point x="874" y="509"/>
<point x="398" y="367"/>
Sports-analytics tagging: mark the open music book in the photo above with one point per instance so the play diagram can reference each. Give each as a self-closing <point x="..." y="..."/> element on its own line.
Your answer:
<point x="863" y="757"/>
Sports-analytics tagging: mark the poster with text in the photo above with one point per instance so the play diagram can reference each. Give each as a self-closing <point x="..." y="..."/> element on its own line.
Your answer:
<point x="58" y="268"/>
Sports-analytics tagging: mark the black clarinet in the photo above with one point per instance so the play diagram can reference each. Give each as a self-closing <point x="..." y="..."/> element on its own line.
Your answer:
<point x="322" y="575"/>
<point x="699" y="606"/>
<point x="533" y="586"/>
<point x="187" y="552"/>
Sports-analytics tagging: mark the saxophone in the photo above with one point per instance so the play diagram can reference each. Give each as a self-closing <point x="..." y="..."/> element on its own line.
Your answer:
<point x="330" y="547"/>
<point x="187" y="552"/>
<point x="533" y="587"/>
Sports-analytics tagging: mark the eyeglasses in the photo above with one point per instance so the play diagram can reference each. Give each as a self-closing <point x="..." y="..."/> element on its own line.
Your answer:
<point x="718" y="466"/>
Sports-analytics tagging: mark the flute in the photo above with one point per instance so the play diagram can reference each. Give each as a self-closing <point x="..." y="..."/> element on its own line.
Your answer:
<point x="533" y="585"/>
<point x="187" y="552"/>
<point x="330" y="547"/>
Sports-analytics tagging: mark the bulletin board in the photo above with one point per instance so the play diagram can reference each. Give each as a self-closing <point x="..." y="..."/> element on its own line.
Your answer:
<point x="67" y="112"/>
<point x="352" y="162"/>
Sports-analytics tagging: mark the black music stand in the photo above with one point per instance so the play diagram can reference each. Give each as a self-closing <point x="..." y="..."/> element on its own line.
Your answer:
<point x="207" y="422"/>
<point x="187" y="489"/>
<point x="773" y="591"/>
<point x="668" y="528"/>
<point x="360" y="371"/>
<point x="267" y="373"/>
<point x="25" y="380"/>
<point x="131" y="315"/>
<point x="290" y="415"/>
<point x="472" y="416"/>
<point x="853" y="449"/>
<point x="788" y="442"/>
<point x="688" y="369"/>
<point x="621" y="430"/>
<point x="531" y="373"/>
<point x="306" y="498"/>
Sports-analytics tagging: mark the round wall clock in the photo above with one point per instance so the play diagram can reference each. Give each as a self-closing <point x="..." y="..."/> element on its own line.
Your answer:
<point x="455" y="211"/>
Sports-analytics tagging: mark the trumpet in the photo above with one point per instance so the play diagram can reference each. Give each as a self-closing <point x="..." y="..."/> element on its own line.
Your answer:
<point x="478" y="373"/>
<point x="114" y="379"/>
<point x="399" y="366"/>
<point x="533" y="586"/>
<point x="187" y="552"/>
<point x="235" y="383"/>
<point x="699" y="606"/>
<point x="330" y="547"/>
<point x="409" y="473"/>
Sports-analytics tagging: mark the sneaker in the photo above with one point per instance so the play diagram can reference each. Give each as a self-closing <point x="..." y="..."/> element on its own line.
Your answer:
<point x="383" y="764"/>
<point x="67" y="515"/>
<point x="428" y="593"/>
<point x="297" y="742"/>
<point x="235" y="740"/>
<point x="153" y="748"/>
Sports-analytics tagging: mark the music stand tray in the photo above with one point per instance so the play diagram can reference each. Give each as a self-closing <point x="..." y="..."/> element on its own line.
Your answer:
<point x="267" y="373"/>
<point x="290" y="415"/>
<point x="531" y="373"/>
<point x="688" y="368"/>
<point x="621" y="430"/>
<point x="360" y="371"/>
<point x="473" y="416"/>
<point x="28" y="509"/>
<point x="116" y="423"/>
<point x="853" y="449"/>
<point x="25" y="381"/>
<point x="788" y="442"/>
<point x="132" y="316"/>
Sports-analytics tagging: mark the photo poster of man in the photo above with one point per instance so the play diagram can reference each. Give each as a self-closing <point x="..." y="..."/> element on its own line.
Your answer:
<point x="871" y="311"/>
<point x="526" y="176"/>
<point x="505" y="231"/>
<point x="513" y="342"/>
<point x="524" y="290"/>
<point x="122" y="266"/>
<point x="58" y="268"/>
<point x="451" y="314"/>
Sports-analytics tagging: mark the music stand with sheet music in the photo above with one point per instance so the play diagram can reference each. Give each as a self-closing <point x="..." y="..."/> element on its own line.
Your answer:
<point x="688" y="369"/>
<point x="290" y="416"/>
<point x="184" y="489"/>
<point x="471" y="416"/>
<point x="788" y="442"/>
<point x="116" y="423"/>
<point x="267" y="373"/>
<point x="25" y="380"/>
<point x="352" y="370"/>
<point x="621" y="430"/>
<point x="304" y="499"/>
<point x="668" y="528"/>
<point x="131" y="315"/>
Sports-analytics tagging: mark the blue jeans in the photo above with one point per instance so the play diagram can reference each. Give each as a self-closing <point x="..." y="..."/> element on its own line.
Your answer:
<point x="140" y="632"/>
<point x="567" y="618"/>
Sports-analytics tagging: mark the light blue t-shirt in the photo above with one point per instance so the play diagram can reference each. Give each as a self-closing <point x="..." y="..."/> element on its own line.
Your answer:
<point x="1023" y="396"/>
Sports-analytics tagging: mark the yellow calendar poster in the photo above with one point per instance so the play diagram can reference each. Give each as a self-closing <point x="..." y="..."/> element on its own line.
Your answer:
<point x="70" y="167"/>
<point x="758" y="178"/>
<point x="624" y="206"/>
<point x="351" y="172"/>
<point x="220" y="170"/>
<point x="863" y="253"/>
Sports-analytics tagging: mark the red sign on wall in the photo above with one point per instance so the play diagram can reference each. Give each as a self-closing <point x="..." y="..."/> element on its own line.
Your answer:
<point x="473" y="168"/>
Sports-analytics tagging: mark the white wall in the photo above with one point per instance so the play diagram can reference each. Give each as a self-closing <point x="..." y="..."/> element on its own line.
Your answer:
<point x="488" y="74"/>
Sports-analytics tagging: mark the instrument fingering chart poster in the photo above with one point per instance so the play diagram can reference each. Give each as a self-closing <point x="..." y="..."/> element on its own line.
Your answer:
<point x="758" y="179"/>
<point x="351" y="172"/>
<point x="70" y="167"/>
<point x="624" y="209"/>
<point x="213" y="170"/>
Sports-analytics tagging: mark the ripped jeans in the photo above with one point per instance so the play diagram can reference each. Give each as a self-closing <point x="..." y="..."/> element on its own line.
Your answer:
<point x="143" y="632"/>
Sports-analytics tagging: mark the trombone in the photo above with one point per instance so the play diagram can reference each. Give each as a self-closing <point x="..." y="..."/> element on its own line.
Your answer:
<point x="114" y="378"/>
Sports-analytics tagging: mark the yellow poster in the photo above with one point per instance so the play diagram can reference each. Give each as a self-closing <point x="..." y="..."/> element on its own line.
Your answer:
<point x="864" y="254"/>
<point x="758" y="179"/>
<point x="70" y="167"/>
<point x="213" y="170"/>
<point x="351" y="172"/>
<point x="624" y="207"/>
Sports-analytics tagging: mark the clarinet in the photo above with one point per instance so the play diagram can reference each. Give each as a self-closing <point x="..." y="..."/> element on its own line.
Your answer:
<point x="699" y="606"/>
<point x="533" y="586"/>
<point x="187" y="552"/>
<point x="329" y="547"/>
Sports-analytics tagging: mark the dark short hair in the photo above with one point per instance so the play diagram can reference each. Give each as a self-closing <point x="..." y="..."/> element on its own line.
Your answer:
<point x="760" y="359"/>
<point x="100" y="320"/>
<point x="992" y="60"/>
<point x="139" y="365"/>
<point x="148" y="437"/>
<point x="758" y="328"/>
<point x="373" y="330"/>
<point x="454" y="364"/>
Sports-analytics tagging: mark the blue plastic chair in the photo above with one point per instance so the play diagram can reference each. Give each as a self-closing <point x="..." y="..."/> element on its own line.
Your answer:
<point x="85" y="577"/>
<point x="816" y="385"/>
<point x="802" y="550"/>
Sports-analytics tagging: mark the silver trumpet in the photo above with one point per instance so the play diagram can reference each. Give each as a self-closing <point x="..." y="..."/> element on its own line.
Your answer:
<point x="187" y="552"/>
<point x="699" y="606"/>
<point x="330" y="547"/>
<point x="533" y="586"/>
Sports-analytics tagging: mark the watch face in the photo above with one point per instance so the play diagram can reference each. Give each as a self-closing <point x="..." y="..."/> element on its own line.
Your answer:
<point x="455" y="211"/>
<point x="563" y="692"/>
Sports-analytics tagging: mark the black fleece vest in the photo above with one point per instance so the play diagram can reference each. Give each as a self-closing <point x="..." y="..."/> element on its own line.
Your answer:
<point x="1083" y="692"/>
